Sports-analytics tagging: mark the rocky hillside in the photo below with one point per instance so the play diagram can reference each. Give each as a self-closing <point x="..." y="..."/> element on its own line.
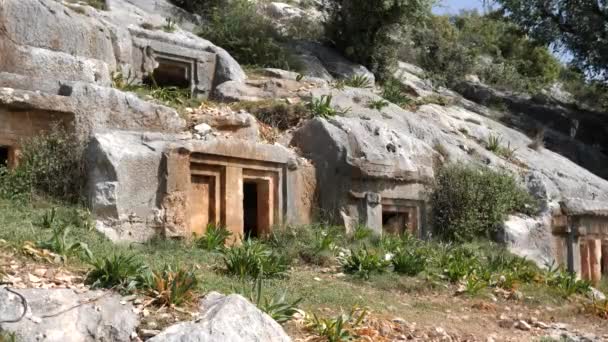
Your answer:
<point x="159" y="112"/>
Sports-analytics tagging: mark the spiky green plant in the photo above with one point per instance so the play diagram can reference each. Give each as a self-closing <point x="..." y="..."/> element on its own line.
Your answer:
<point x="169" y="287"/>
<point x="121" y="271"/>
<point x="358" y="81"/>
<point x="363" y="262"/>
<point x="214" y="239"/>
<point x="60" y="244"/>
<point x="321" y="107"/>
<point x="254" y="259"/>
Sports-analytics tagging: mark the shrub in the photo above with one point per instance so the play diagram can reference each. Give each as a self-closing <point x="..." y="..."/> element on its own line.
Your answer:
<point x="248" y="36"/>
<point x="254" y="259"/>
<point x="321" y="107"/>
<point x="363" y="262"/>
<point x="321" y="249"/>
<point x="170" y="287"/>
<point x="472" y="202"/>
<point x="372" y="44"/>
<point x="60" y="245"/>
<point x="51" y="164"/>
<point x="120" y="271"/>
<point x="565" y="281"/>
<point x="214" y="238"/>
<point x="409" y="262"/>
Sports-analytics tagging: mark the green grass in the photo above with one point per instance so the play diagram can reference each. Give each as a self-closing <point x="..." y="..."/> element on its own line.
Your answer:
<point x="391" y="292"/>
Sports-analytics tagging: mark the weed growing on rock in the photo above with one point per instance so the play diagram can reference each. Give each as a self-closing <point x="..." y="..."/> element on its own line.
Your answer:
<point x="8" y="337"/>
<point x="321" y="107"/>
<point x="277" y="307"/>
<point x="393" y="92"/>
<point x="377" y="105"/>
<point x="494" y="143"/>
<point x="358" y="81"/>
<point x="170" y="25"/>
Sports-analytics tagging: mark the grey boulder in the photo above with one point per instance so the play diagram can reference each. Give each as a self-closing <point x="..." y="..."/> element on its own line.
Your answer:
<point x="226" y="318"/>
<point x="62" y="315"/>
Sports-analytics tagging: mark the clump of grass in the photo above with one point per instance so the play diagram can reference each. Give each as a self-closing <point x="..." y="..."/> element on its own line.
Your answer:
<point x="358" y="81"/>
<point x="410" y="262"/>
<point x="277" y="307"/>
<point x="363" y="262"/>
<point x="170" y="25"/>
<point x="339" y="328"/>
<point x="169" y="287"/>
<point x="124" y="82"/>
<point x="60" y="244"/>
<point x="275" y="113"/>
<point x="214" y="239"/>
<point x="254" y="259"/>
<point x="321" y="107"/>
<point x="494" y="143"/>
<point x="392" y="91"/>
<point x="120" y="271"/>
<point x="378" y="104"/>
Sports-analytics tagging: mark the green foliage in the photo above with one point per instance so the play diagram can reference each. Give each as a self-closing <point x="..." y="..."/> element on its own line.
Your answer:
<point x="472" y="202"/>
<point x="361" y="233"/>
<point x="122" y="81"/>
<point x="276" y="113"/>
<point x="321" y="107"/>
<point x="576" y="26"/>
<point x="474" y="285"/>
<point x="377" y="104"/>
<point x="337" y="329"/>
<point x="497" y="51"/>
<point x="60" y="244"/>
<point x="6" y="336"/>
<point x="277" y="306"/>
<point x="171" y="96"/>
<point x="50" y="164"/>
<point x="363" y="262"/>
<point x="410" y="262"/>
<point x="248" y="36"/>
<point x="358" y="81"/>
<point x="321" y="250"/>
<point x="372" y="44"/>
<point x="565" y="281"/>
<point x="254" y="259"/>
<point x="169" y="287"/>
<point x="214" y="239"/>
<point x="493" y="143"/>
<point x="393" y="91"/>
<point x="121" y="271"/>
<point x="170" y="25"/>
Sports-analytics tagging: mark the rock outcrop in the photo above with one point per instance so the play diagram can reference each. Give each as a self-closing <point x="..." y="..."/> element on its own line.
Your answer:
<point x="62" y="315"/>
<point x="225" y="318"/>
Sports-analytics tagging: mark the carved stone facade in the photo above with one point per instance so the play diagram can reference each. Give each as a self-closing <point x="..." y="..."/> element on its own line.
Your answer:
<point x="581" y="229"/>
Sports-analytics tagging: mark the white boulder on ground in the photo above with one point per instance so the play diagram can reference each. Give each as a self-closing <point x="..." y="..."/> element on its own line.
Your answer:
<point x="226" y="318"/>
<point x="62" y="315"/>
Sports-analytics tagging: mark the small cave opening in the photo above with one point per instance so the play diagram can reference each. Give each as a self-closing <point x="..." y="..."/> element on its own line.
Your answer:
<point x="250" y="209"/>
<point x="170" y="75"/>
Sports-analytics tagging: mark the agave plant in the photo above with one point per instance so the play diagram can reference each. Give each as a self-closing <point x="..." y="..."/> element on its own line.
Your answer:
<point x="121" y="271"/>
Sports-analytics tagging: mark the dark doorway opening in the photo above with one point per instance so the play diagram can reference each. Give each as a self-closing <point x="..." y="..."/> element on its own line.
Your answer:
<point x="170" y="75"/>
<point x="250" y="209"/>
<point x="4" y="155"/>
<point x="394" y="222"/>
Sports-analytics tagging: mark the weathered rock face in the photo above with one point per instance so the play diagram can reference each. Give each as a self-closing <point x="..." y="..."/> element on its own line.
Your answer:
<point x="325" y="63"/>
<point x="368" y="163"/>
<point x="460" y="135"/>
<point x="226" y="318"/>
<point x="412" y="79"/>
<point x="576" y="133"/>
<point x="62" y="315"/>
<point x="68" y="52"/>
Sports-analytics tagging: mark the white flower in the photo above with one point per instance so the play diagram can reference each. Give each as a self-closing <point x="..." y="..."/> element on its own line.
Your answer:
<point x="388" y="256"/>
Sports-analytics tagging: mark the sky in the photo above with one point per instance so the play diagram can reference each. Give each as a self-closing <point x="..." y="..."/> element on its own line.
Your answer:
<point x="454" y="6"/>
